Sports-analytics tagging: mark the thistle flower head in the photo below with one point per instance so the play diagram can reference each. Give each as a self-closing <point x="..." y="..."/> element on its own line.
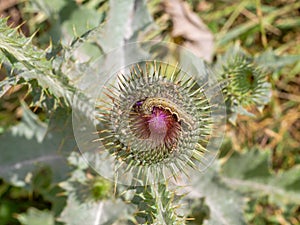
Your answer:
<point x="245" y="84"/>
<point x="155" y="120"/>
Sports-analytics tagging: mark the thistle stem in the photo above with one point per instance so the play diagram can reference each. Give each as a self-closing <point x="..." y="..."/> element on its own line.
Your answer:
<point x="158" y="203"/>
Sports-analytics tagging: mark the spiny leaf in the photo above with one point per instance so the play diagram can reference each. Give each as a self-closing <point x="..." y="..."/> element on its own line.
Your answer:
<point x="36" y="217"/>
<point x="30" y="62"/>
<point x="225" y="205"/>
<point x="254" y="176"/>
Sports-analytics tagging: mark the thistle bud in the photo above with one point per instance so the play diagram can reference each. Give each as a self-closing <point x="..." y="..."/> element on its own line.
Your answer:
<point x="154" y="118"/>
<point x="245" y="83"/>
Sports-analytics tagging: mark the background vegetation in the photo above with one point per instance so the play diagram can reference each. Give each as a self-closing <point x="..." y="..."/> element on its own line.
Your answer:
<point x="45" y="182"/>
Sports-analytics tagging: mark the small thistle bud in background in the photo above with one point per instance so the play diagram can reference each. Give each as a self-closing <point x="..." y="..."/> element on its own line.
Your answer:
<point x="101" y="188"/>
<point x="243" y="85"/>
<point x="155" y="120"/>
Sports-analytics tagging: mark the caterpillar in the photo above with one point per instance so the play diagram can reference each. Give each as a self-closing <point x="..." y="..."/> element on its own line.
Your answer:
<point x="166" y="104"/>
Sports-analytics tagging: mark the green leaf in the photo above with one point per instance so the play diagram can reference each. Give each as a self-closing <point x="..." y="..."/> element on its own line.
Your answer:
<point x="36" y="217"/>
<point x="142" y="17"/>
<point x="80" y="19"/>
<point x="272" y="61"/>
<point x="126" y="19"/>
<point x="81" y="74"/>
<point x="49" y="6"/>
<point x="225" y="205"/>
<point x="255" y="177"/>
<point x="30" y="126"/>
<point x="20" y="156"/>
<point x="102" y="212"/>
<point x="116" y="29"/>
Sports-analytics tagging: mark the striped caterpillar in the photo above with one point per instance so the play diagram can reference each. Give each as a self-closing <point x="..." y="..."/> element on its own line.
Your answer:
<point x="166" y="104"/>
